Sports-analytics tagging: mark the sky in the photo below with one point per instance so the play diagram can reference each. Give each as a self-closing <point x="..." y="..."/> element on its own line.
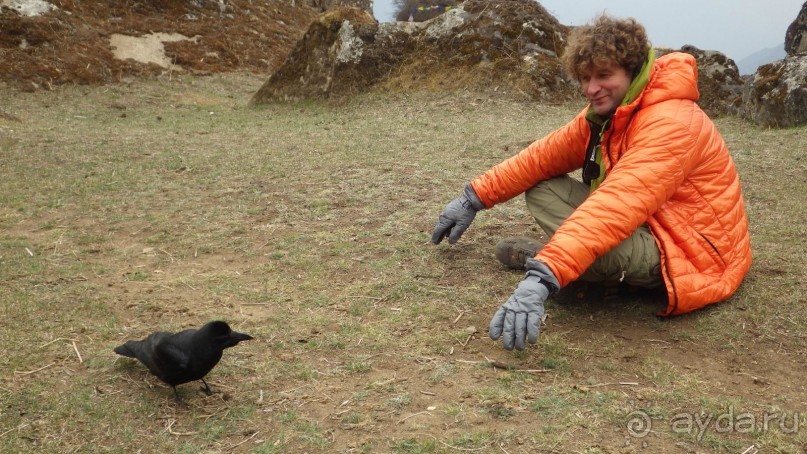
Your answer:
<point x="736" y="28"/>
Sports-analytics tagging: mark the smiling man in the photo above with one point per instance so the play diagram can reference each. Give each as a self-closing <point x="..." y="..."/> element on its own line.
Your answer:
<point x="660" y="201"/>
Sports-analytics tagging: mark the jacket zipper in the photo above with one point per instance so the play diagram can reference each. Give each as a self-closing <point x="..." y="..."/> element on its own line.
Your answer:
<point x="713" y="248"/>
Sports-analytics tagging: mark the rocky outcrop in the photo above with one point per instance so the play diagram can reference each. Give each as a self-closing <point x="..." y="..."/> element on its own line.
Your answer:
<point x="776" y="95"/>
<point x="330" y="57"/>
<point x="80" y="41"/>
<point x="509" y="46"/>
<point x="796" y="35"/>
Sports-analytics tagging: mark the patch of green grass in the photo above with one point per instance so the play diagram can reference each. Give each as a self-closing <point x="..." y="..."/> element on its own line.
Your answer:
<point x="359" y="367"/>
<point x="441" y="373"/>
<point x="555" y="364"/>
<point x="415" y="446"/>
<point x="310" y="433"/>
<point x="400" y="401"/>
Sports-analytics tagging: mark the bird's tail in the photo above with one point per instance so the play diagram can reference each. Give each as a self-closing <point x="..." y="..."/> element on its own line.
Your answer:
<point x="128" y="349"/>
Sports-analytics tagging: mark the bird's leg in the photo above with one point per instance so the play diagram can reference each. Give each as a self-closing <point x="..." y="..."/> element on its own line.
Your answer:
<point x="206" y="389"/>
<point x="178" y="399"/>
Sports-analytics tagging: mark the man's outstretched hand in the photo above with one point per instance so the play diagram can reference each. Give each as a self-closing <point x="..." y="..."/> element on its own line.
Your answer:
<point x="457" y="216"/>
<point x="520" y="317"/>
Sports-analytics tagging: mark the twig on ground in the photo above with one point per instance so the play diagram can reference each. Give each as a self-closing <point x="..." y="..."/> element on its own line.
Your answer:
<point x="756" y="379"/>
<point x="623" y="383"/>
<point x="172" y="432"/>
<point x="294" y="389"/>
<point x="466" y="340"/>
<point x="21" y="426"/>
<point x="33" y="371"/>
<point x="458" y="448"/>
<point x="466" y="361"/>
<point x="463" y="449"/>
<point x="459" y="316"/>
<point x="413" y="415"/>
<point x="500" y="365"/>
<point x="390" y="381"/>
<point x="81" y="361"/>
<point x="656" y="340"/>
<point x="244" y="441"/>
<point x="57" y="340"/>
<point x="166" y="253"/>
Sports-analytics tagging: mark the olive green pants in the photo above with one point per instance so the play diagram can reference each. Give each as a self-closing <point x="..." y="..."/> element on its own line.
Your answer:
<point x="635" y="261"/>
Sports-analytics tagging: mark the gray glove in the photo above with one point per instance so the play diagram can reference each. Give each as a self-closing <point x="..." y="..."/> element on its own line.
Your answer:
<point x="523" y="312"/>
<point x="457" y="216"/>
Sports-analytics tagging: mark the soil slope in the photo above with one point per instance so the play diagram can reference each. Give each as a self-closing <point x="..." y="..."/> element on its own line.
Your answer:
<point x="73" y="42"/>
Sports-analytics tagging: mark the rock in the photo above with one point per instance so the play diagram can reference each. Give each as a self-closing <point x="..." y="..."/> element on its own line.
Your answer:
<point x="776" y="95"/>
<point x="325" y="60"/>
<point x="796" y="35"/>
<point x="719" y="81"/>
<point x="28" y="7"/>
<point x="145" y="49"/>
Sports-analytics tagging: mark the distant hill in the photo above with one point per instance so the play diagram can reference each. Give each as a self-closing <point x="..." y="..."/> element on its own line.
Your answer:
<point x="749" y="64"/>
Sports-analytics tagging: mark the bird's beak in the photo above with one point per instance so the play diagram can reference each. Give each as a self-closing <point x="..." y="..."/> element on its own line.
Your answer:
<point x="235" y="338"/>
<point x="238" y="337"/>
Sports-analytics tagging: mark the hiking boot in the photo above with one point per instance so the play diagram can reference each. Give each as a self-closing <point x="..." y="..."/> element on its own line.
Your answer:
<point x="513" y="252"/>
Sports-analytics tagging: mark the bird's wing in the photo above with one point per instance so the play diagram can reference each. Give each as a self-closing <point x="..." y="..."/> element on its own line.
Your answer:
<point x="172" y="355"/>
<point x="146" y="351"/>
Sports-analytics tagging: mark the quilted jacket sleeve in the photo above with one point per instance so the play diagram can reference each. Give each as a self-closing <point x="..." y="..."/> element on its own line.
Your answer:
<point x="556" y="154"/>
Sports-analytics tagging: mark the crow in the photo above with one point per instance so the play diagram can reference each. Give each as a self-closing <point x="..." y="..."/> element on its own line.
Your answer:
<point x="185" y="356"/>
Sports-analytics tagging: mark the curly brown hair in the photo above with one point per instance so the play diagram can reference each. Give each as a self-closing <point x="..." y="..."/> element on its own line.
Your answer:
<point x="604" y="42"/>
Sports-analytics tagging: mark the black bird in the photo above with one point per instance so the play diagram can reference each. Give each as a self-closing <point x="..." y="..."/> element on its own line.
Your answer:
<point x="185" y="356"/>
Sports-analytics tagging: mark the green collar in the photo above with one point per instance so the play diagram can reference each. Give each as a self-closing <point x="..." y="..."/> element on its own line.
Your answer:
<point x="634" y="90"/>
<point x="639" y="82"/>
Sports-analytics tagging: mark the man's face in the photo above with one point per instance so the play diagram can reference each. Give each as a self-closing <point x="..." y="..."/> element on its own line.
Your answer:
<point x="605" y="87"/>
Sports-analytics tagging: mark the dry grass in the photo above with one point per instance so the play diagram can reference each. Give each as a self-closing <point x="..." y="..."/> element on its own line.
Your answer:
<point x="164" y="204"/>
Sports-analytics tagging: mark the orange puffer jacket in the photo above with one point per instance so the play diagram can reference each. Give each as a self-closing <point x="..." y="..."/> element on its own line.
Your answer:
<point x="667" y="166"/>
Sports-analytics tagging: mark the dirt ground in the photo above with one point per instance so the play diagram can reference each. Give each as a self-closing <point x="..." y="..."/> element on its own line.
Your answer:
<point x="73" y="44"/>
<point x="367" y="338"/>
<point x="289" y="222"/>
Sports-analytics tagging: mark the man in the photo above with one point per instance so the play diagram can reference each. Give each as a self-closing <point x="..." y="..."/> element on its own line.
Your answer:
<point x="660" y="202"/>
